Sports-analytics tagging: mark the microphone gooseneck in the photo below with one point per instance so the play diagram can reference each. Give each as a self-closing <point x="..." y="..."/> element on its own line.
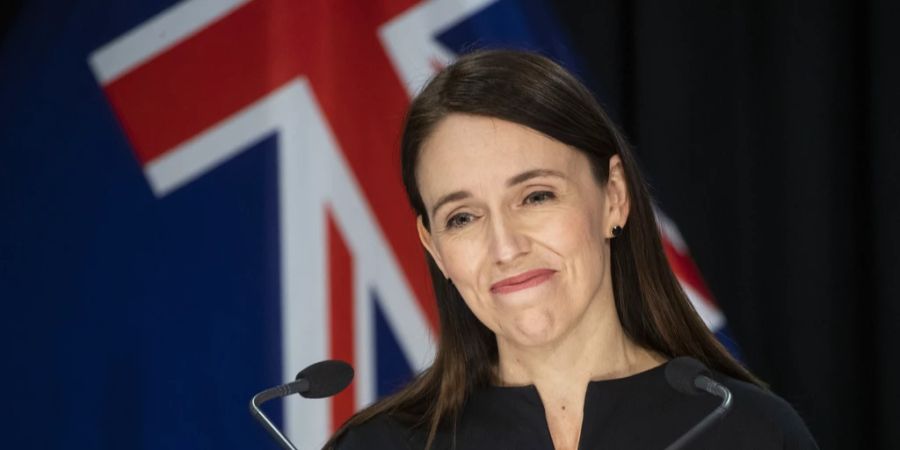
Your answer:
<point x="320" y="380"/>
<point x="689" y="376"/>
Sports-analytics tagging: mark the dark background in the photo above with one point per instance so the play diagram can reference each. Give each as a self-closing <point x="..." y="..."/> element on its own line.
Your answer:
<point x="770" y="134"/>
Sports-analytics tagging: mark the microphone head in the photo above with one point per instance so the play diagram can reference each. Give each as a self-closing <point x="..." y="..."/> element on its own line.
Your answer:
<point x="326" y="378"/>
<point x="681" y="373"/>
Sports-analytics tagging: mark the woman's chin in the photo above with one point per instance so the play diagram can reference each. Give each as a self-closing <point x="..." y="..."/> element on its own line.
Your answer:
<point x="534" y="328"/>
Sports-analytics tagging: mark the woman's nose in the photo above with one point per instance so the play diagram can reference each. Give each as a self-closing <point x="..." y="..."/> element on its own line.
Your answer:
<point x="507" y="241"/>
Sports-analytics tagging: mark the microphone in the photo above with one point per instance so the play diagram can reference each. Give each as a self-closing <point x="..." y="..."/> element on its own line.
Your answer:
<point x="320" y="380"/>
<point x="689" y="376"/>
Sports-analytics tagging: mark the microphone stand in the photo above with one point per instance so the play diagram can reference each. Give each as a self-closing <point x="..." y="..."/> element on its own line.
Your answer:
<point x="320" y="380"/>
<point x="707" y="385"/>
<point x="268" y="394"/>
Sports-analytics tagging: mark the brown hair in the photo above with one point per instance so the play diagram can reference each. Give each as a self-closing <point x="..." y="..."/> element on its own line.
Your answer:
<point x="533" y="91"/>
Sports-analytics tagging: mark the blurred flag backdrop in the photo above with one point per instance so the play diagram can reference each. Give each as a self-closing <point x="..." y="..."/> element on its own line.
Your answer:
<point x="204" y="197"/>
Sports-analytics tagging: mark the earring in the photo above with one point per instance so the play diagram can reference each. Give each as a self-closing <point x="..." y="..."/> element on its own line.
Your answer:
<point x="616" y="231"/>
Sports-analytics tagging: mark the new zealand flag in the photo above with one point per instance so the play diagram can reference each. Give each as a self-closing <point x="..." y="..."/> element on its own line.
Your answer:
<point x="202" y="197"/>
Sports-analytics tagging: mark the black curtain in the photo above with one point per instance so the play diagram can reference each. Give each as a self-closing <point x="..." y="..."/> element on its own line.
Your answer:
<point x="770" y="134"/>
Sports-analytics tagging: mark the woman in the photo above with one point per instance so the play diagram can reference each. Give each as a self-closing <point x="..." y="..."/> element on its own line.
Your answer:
<point x="558" y="309"/>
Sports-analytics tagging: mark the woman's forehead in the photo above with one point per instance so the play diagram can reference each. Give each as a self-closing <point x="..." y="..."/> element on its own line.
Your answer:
<point x="466" y="149"/>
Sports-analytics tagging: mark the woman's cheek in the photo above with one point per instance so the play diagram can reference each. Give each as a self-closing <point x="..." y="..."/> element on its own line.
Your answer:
<point x="464" y="258"/>
<point x="565" y="231"/>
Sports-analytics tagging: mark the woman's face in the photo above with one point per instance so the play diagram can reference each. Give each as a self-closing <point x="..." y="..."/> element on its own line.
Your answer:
<point x="519" y="224"/>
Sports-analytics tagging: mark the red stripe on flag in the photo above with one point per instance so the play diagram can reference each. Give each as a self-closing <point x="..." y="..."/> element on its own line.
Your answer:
<point x="686" y="271"/>
<point x="259" y="47"/>
<point x="341" y="323"/>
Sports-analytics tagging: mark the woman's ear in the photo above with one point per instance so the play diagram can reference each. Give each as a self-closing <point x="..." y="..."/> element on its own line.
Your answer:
<point x="617" y="197"/>
<point x="428" y="243"/>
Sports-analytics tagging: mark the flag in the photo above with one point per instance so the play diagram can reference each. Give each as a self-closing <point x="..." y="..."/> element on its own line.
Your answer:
<point x="205" y="198"/>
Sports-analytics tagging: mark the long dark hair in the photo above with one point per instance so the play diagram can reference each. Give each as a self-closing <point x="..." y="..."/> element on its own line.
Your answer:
<point x="655" y="313"/>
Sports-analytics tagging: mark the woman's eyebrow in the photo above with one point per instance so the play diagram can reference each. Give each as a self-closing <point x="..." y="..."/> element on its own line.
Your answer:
<point x="451" y="197"/>
<point x="527" y="175"/>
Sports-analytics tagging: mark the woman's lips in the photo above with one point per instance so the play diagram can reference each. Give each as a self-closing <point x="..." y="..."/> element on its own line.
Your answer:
<point x="524" y="280"/>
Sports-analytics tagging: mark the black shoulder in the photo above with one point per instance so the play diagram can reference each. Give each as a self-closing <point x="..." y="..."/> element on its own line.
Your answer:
<point x="382" y="431"/>
<point x="753" y="404"/>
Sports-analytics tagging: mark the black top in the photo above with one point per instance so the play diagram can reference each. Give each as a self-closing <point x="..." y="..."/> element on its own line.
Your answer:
<point x="637" y="412"/>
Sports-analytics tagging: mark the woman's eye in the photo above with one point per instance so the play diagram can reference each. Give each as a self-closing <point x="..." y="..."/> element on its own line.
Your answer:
<point x="459" y="220"/>
<point x="539" y="197"/>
